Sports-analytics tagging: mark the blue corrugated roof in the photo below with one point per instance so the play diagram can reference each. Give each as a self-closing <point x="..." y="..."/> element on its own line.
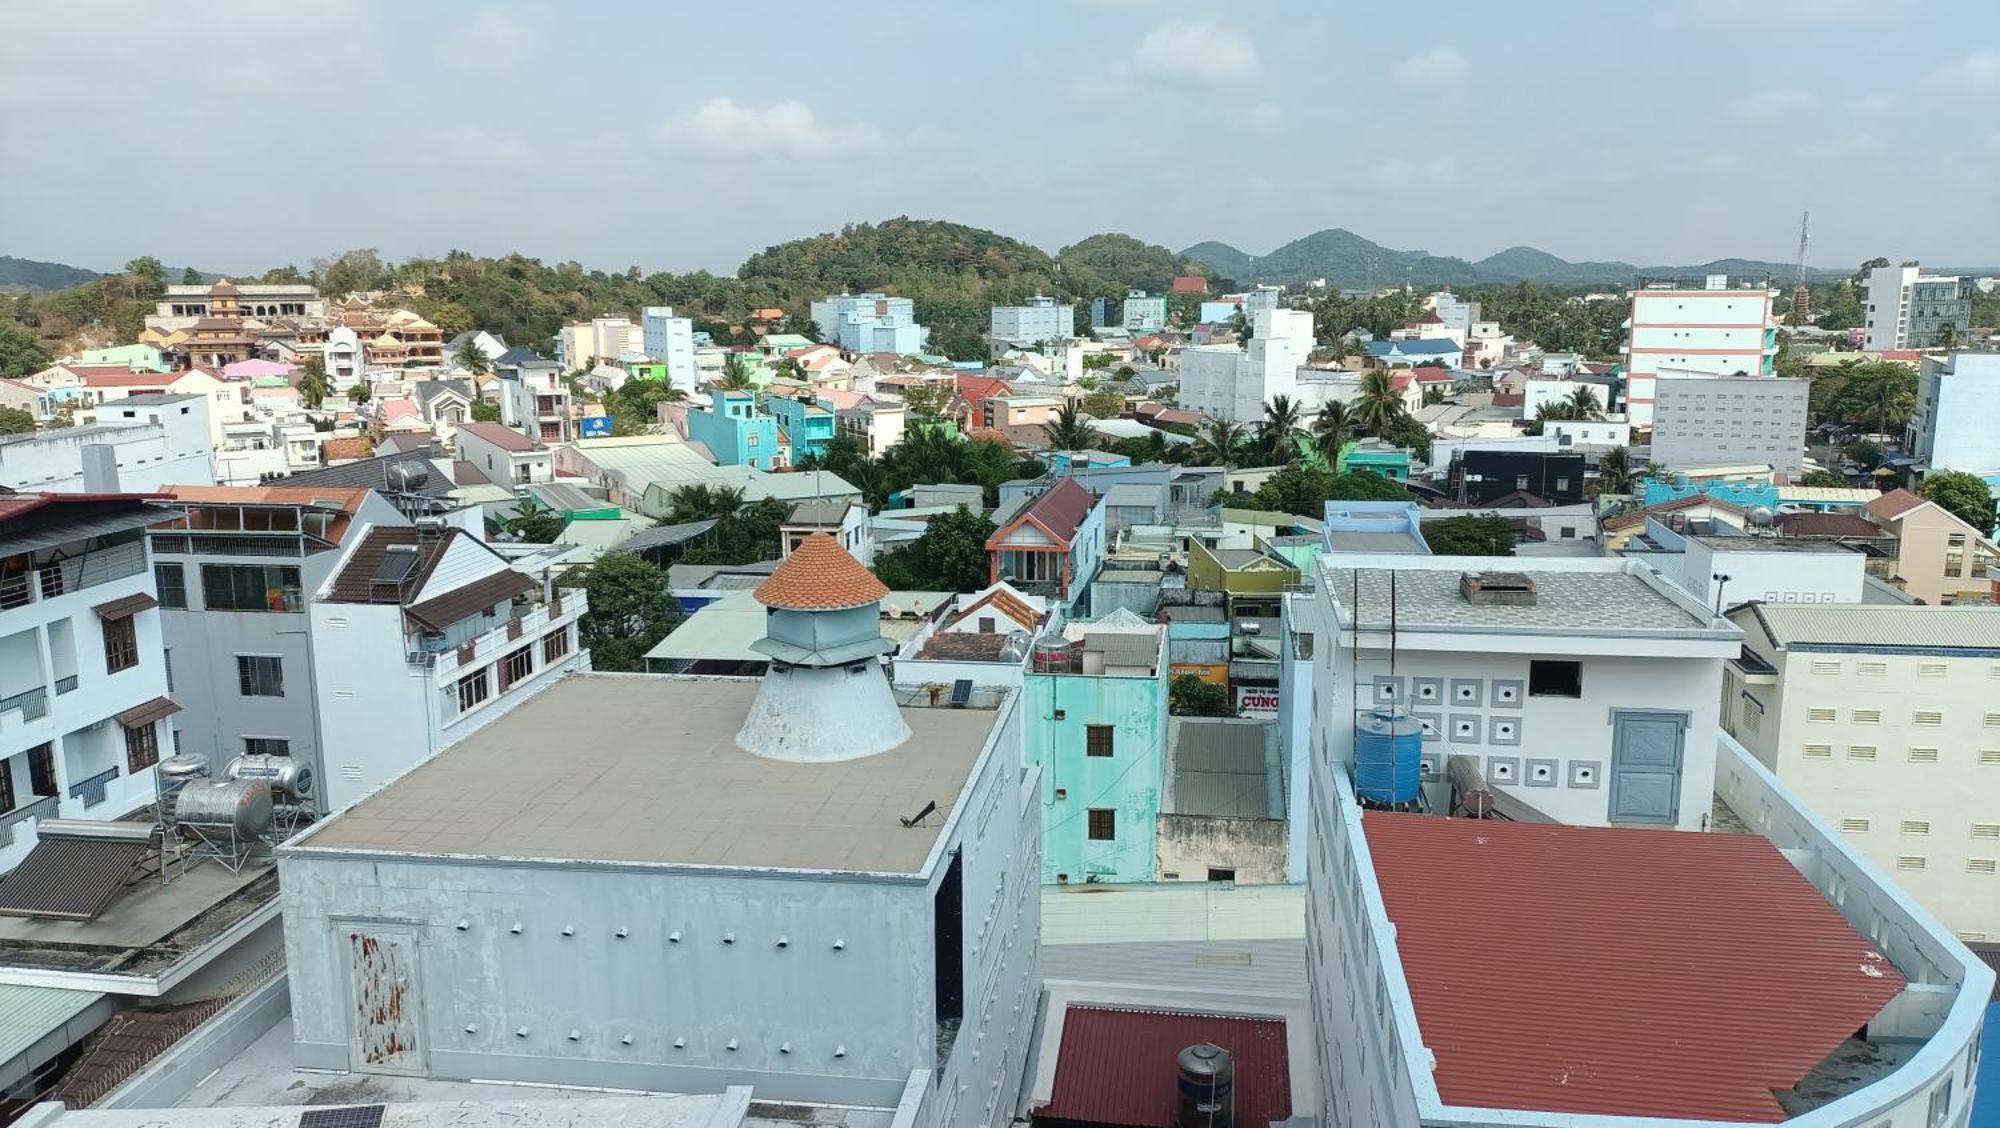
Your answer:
<point x="1986" y="1105"/>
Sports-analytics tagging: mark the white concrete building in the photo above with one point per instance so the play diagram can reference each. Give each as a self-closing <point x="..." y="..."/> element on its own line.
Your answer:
<point x="1145" y="313"/>
<point x="1228" y="382"/>
<point x="684" y="923"/>
<point x="505" y="456"/>
<point x="1724" y="570"/>
<point x="1701" y="419"/>
<point x="165" y="444"/>
<point x="870" y="323"/>
<point x="1883" y="720"/>
<point x="983" y="637"/>
<point x="670" y="340"/>
<point x="1951" y="427"/>
<point x="602" y="338"/>
<point x="1715" y="330"/>
<point x="1588" y="432"/>
<point x="1644" y="851"/>
<point x="1905" y="308"/>
<point x="422" y="635"/>
<point x="345" y="359"/>
<point x="84" y="681"/>
<point x="1041" y="321"/>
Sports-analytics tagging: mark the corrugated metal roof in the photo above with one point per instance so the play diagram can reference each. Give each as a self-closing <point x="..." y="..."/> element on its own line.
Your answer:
<point x="1118" y="1067"/>
<point x="1619" y="971"/>
<point x="1854" y="624"/>
<point x="29" y="1014"/>
<point x="1220" y="768"/>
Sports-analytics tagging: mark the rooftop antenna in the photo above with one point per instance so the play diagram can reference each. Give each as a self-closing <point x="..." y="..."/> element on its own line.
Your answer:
<point x="1801" y="293"/>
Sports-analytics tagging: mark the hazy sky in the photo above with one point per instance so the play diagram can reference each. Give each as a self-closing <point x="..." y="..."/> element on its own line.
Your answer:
<point x="239" y="134"/>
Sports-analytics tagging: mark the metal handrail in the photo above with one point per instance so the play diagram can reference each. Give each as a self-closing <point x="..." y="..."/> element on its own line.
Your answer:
<point x="91" y="790"/>
<point x="38" y="809"/>
<point x="33" y="703"/>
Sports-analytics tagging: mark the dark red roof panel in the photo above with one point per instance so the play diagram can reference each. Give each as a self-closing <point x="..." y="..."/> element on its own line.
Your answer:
<point x="1061" y="509"/>
<point x="1118" y="1066"/>
<point x="1618" y="971"/>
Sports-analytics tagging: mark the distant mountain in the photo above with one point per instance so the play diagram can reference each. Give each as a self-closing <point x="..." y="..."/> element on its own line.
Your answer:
<point x="1345" y="259"/>
<point x="27" y="274"/>
<point x="1112" y="263"/>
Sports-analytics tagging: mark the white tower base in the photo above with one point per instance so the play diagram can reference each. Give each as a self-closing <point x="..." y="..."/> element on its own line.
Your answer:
<point x="822" y="715"/>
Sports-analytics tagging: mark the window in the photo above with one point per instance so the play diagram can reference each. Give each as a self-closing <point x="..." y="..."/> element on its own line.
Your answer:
<point x="1819" y="751"/>
<point x="554" y="646"/>
<point x="250" y="587"/>
<point x="1940" y="1101"/>
<point x="266" y="746"/>
<point x="6" y="790"/>
<point x="1555" y="679"/>
<point x="1219" y="873"/>
<point x="121" y="644"/>
<point x="1931" y="670"/>
<point x="1989" y="757"/>
<point x="1923" y="755"/>
<point x="142" y="748"/>
<point x="1911" y="862"/>
<point x="472" y="690"/>
<point x="1916" y="827"/>
<point x="1928" y="718"/>
<point x="1103" y="824"/>
<point x="1097" y="740"/>
<point x="517" y="667"/>
<point x="259" y="675"/>
<point x="1821" y="715"/>
<point x="1861" y="751"/>
<point x="171" y="582"/>
<point x="1871" y="669"/>
<point x="1826" y="666"/>
<point x="1854" y="826"/>
<point x="1866" y="716"/>
<point x="1986" y="830"/>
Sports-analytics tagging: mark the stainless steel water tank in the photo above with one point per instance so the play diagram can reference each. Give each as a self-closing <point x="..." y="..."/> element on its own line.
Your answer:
<point x="182" y="766"/>
<point x="291" y="780"/>
<point x="1206" y="1078"/>
<point x="241" y="805"/>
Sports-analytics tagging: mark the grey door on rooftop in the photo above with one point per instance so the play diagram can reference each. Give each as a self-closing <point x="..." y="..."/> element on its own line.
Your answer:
<point x="385" y="1024"/>
<point x="1646" y="754"/>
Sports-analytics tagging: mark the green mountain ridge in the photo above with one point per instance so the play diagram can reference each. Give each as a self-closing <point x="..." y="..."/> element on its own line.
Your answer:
<point x="1348" y="260"/>
<point x="40" y="277"/>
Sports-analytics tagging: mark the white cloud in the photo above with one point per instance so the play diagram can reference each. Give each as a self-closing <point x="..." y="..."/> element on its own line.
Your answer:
<point x="789" y="128"/>
<point x="1195" y="54"/>
<point x="1264" y="117"/>
<point x="1777" y="102"/>
<point x="1978" y="71"/>
<point x="1880" y="102"/>
<point x="1439" y="64"/>
<point x="1395" y="172"/>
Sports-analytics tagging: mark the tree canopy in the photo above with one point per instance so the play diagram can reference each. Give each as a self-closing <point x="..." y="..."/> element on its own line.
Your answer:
<point x="1964" y="496"/>
<point x="1470" y="536"/>
<point x="630" y="610"/>
<point x="949" y="556"/>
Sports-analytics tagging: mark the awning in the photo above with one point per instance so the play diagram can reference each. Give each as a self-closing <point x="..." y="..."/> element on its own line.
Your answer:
<point x="125" y="608"/>
<point x="156" y="709"/>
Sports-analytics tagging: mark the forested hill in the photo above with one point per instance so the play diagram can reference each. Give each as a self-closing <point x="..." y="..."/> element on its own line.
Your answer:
<point x="29" y="275"/>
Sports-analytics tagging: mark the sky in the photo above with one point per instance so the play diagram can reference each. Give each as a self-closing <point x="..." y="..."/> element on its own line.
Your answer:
<point x="236" y="135"/>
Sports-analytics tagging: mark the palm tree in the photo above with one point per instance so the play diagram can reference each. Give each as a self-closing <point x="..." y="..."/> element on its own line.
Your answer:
<point x="735" y="374"/>
<point x="470" y="357"/>
<point x="1069" y="432"/>
<point x="1219" y="442"/>
<point x="1379" y="405"/>
<point x="1583" y="401"/>
<point x="1331" y="429"/>
<point x="1614" y="471"/>
<point x="1281" y="420"/>
<point x="1947" y="337"/>
<point x="313" y="383"/>
<point x="699" y="502"/>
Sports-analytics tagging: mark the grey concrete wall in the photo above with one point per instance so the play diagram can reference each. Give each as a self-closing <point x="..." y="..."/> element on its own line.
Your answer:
<point x="1257" y="849"/>
<point x="229" y="1032"/>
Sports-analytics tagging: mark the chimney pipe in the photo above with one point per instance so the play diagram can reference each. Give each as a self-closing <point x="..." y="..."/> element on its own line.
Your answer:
<point x="100" y="468"/>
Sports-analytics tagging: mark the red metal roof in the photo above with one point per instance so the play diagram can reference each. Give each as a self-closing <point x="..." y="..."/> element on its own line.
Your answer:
<point x="1058" y="512"/>
<point x="1118" y="1066"/>
<point x="1619" y="971"/>
<point x="1190" y="284"/>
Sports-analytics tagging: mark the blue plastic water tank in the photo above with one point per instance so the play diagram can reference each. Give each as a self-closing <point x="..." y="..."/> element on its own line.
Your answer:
<point x="1388" y="751"/>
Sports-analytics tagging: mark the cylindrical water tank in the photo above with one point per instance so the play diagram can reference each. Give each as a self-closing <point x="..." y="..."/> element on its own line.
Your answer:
<point x="291" y="780"/>
<point x="1206" y="1078"/>
<point x="241" y="805"/>
<point x="182" y="766"/>
<point x="1051" y="656"/>
<point x="1388" y="755"/>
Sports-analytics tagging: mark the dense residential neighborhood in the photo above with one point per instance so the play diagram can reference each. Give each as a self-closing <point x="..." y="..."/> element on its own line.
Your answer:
<point x="923" y="680"/>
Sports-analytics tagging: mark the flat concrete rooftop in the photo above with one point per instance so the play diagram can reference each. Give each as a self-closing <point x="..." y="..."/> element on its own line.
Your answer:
<point x="642" y="768"/>
<point x="147" y="928"/>
<point x="1581" y="601"/>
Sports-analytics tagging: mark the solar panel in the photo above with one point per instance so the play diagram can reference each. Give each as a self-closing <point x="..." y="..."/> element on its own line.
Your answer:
<point x="395" y="565"/>
<point x="356" y="1116"/>
<point x="961" y="692"/>
<point x="69" y="878"/>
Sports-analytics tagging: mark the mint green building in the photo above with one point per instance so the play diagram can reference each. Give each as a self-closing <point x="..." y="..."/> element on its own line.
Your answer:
<point x="138" y="358"/>
<point x="1373" y="456"/>
<point x="1094" y="709"/>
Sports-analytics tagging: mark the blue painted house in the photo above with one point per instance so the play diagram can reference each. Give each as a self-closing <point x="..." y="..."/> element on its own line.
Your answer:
<point x="736" y="432"/>
<point x="1395" y="353"/>
<point x="807" y="423"/>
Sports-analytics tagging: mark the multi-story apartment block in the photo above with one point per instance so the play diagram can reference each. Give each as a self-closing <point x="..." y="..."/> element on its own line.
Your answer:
<point x="1951" y="426"/>
<point x="162" y="443"/>
<point x="1042" y="321"/>
<point x="1098" y="693"/>
<point x="1908" y="309"/>
<point x="1715" y="329"/>
<point x="599" y="339"/>
<point x="1622" y="835"/>
<point x="1231" y="382"/>
<point x="533" y="397"/>
<point x="806" y="426"/>
<point x="736" y="432"/>
<point x="669" y="340"/>
<point x="84" y="680"/>
<point x="505" y="457"/>
<point x="1938" y="558"/>
<point x="1885" y="721"/>
<point x="421" y="635"/>
<point x="1145" y="313"/>
<point x="235" y="568"/>
<point x="1701" y="419"/>
<point x="870" y="323"/>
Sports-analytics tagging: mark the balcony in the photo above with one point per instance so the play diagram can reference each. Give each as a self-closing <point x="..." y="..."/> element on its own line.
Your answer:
<point x="567" y="608"/>
<point x="33" y="703"/>
<point x="11" y="822"/>
<point x="61" y="577"/>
